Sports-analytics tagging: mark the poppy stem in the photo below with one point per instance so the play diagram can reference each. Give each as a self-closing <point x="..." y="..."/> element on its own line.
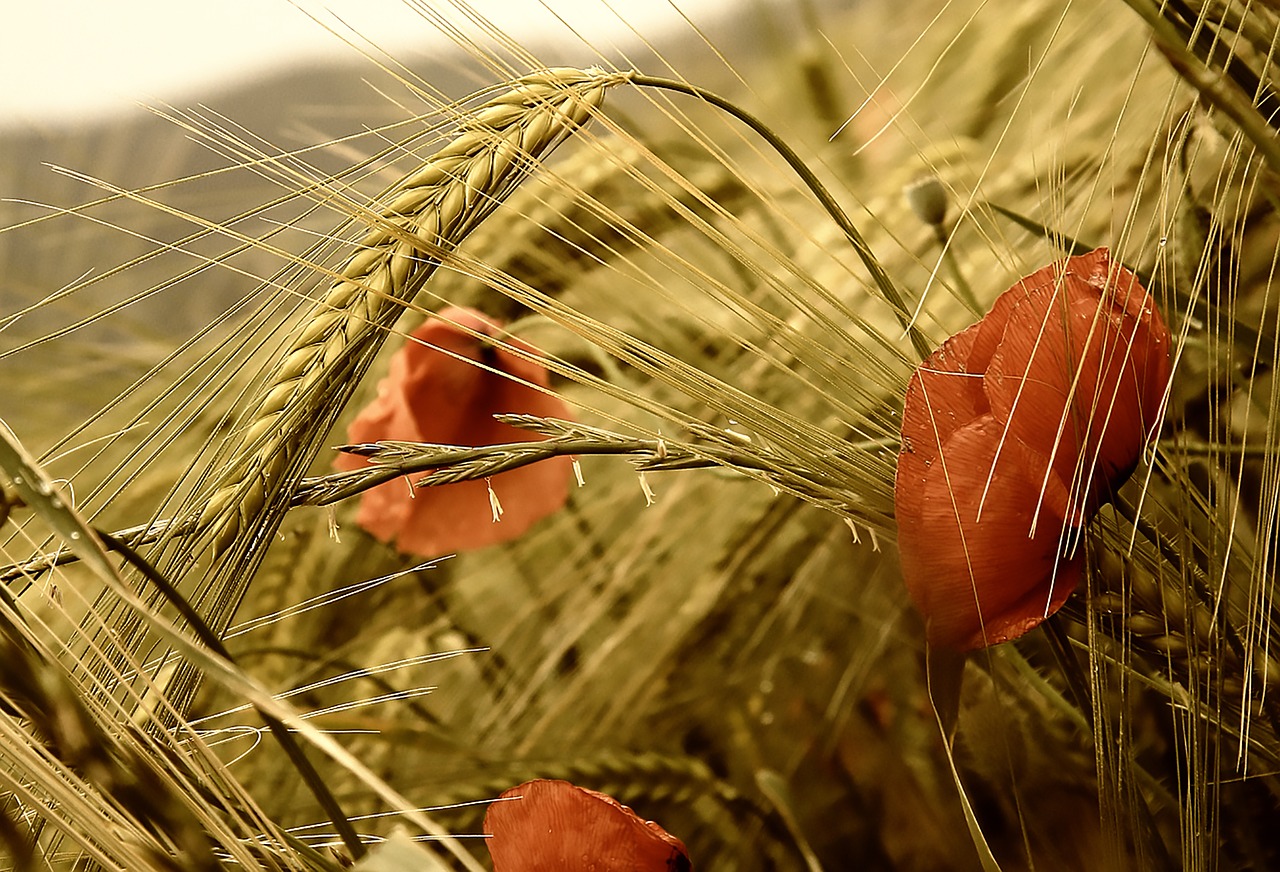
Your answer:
<point x="963" y="289"/>
<point x="887" y="288"/>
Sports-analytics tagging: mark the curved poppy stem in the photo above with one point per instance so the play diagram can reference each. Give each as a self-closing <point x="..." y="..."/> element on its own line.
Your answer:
<point x="887" y="288"/>
<point x="963" y="289"/>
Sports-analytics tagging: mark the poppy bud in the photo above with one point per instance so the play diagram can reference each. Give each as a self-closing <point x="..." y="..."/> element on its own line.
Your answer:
<point x="1014" y="432"/>
<point x="555" y="826"/>
<point x="928" y="200"/>
<point x="444" y="387"/>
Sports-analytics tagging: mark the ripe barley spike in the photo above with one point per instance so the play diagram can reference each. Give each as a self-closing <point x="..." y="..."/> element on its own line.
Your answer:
<point x="426" y="216"/>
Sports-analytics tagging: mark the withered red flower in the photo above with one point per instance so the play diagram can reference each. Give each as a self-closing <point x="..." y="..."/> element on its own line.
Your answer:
<point x="1014" y="432"/>
<point x="555" y="826"/>
<point x="444" y="387"/>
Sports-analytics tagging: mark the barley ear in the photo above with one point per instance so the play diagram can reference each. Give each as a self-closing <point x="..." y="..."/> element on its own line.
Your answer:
<point x="423" y="218"/>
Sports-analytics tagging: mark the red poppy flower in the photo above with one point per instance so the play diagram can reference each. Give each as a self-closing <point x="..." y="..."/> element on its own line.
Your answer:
<point x="1014" y="432"/>
<point x="555" y="826"/>
<point x="444" y="387"/>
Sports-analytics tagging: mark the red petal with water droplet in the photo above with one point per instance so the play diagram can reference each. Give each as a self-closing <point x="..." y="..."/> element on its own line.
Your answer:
<point x="1071" y="366"/>
<point x="981" y="558"/>
<point x="1079" y="378"/>
<point x="444" y="386"/>
<point x="555" y="826"/>
<point x="941" y="397"/>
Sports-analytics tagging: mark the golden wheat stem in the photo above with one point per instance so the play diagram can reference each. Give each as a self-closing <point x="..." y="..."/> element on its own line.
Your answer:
<point x="448" y="464"/>
<point x="346" y="832"/>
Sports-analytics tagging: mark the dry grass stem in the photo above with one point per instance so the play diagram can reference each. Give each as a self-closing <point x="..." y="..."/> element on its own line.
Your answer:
<point x="566" y="439"/>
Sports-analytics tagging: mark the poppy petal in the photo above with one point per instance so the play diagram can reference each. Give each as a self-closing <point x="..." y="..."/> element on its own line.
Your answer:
<point x="1033" y="374"/>
<point x="992" y="327"/>
<point x="981" y="560"/>
<point x="998" y="472"/>
<point x="941" y="397"/>
<point x="555" y="826"/>
<point x="1073" y="377"/>
<point x="444" y="387"/>
<point x="1151" y="341"/>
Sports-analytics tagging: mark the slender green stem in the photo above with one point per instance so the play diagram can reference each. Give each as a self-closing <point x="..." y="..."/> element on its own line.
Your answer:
<point x="887" y="288"/>
<point x="1068" y="665"/>
<point x="963" y="289"/>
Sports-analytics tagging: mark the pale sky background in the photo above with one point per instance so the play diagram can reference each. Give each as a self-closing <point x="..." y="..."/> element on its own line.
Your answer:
<point x="72" y="60"/>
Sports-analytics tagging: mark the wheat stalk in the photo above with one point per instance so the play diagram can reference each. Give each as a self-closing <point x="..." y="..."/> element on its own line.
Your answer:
<point x="428" y="214"/>
<point x="448" y="464"/>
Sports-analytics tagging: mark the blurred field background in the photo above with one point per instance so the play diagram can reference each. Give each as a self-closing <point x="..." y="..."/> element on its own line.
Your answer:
<point x="732" y="661"/>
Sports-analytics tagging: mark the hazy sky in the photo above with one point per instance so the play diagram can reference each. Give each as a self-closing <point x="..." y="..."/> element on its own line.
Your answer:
<point x="71" y="59"/>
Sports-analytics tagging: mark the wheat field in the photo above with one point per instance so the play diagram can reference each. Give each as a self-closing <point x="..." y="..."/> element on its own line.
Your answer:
<point x="714" y="256"/>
